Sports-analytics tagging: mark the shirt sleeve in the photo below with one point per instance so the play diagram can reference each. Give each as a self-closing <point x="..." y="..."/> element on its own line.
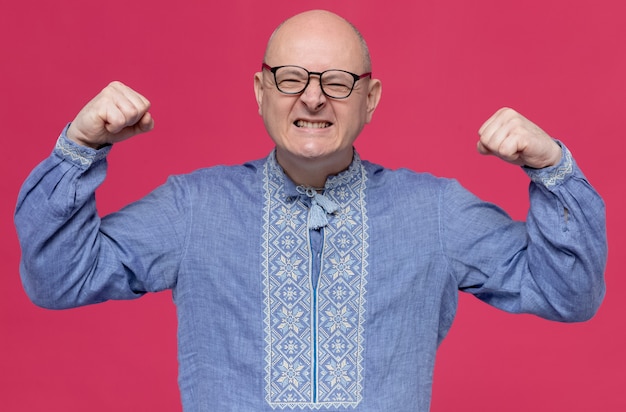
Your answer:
<point x="72" y="257"/>
<point x="552" y="265"/>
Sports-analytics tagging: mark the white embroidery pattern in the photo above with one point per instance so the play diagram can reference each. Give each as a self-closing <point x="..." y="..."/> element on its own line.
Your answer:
<point x="554" y="176"/>
<point x="314" y="337"/>
<point x="79" y="154"/>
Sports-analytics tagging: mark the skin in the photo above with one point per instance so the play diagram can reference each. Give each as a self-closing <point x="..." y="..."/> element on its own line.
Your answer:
<point x="515" y="139"/>
<point x="117" y="113"/>
<point x="316" y="40"/>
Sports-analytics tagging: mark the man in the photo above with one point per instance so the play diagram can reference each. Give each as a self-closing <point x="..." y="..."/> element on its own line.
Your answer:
<point x="310" y="279"/>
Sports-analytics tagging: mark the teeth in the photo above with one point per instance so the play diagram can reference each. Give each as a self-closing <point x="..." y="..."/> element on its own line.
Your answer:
<point x="312" y="125"/>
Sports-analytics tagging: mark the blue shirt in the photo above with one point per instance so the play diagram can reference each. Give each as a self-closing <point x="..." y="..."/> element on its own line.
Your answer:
<point x="292" y="299"/>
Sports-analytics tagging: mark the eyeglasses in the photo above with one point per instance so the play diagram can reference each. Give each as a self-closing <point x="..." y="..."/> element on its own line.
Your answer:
<point x="337" y="84"/>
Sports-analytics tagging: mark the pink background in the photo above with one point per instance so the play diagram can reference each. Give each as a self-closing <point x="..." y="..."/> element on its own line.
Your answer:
<point x="446" y="66"/>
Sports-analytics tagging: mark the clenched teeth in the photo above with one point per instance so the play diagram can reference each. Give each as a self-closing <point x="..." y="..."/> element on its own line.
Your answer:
<point x="312" y="125"/>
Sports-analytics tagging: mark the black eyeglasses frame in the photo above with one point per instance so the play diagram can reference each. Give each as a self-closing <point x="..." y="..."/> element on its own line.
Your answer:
<point x="356" y="78"/>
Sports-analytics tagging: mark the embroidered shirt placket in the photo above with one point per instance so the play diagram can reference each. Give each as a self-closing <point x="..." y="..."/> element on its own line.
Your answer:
<point x="314" y="359"/>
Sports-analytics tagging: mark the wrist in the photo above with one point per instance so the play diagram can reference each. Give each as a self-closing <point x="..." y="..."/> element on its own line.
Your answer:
<point x="80" y="139"/>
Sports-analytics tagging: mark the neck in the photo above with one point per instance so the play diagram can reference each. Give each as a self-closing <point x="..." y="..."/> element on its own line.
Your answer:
<point x="313" y="172"/>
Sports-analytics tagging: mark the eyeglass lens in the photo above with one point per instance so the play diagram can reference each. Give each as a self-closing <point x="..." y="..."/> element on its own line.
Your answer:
<point x="293" y="80"/>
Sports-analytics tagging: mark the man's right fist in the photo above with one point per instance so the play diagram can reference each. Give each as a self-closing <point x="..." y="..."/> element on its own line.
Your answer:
<point x="115" y="114"/>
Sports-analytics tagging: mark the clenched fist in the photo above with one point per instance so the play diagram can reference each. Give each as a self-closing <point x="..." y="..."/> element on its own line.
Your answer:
<point x="515" y="139"/>
<point x="115" y="114"/>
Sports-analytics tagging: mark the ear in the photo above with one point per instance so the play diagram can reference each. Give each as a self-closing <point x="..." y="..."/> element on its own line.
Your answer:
<point x="258" y="89"/>
<point x="373" y="97"/>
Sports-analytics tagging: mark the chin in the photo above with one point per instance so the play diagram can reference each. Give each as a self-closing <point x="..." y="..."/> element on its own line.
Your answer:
<point x="314" y="149"/>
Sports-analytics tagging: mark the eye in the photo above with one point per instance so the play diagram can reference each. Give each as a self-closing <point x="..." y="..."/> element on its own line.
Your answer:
<point x="291" y="78"/>
<point x="337" y="80"/>
<point x="336" y="85"/>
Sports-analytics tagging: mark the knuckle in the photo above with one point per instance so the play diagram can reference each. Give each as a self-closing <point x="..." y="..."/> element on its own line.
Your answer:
<point x="115" y="118"/>
<point x="131" y="112"/>
<point x="115" y="84"/>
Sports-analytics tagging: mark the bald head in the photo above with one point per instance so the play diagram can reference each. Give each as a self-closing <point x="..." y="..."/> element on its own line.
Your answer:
<point x="313" y="131"/>
<point x="316" y="31"/>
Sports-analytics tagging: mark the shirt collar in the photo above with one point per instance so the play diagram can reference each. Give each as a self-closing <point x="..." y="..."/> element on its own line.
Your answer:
<point x="290" y="189"/>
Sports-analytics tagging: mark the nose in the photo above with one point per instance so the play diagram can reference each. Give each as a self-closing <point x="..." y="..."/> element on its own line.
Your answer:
<point x="312" y="96"/>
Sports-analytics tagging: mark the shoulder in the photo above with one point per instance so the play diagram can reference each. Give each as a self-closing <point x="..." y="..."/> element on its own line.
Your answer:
<point x="222" y="175"/>
<point x="403" y="179"/>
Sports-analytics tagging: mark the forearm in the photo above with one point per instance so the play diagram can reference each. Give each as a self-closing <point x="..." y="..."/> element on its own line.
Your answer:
<point x="568" y="246"/>
<point x="58" y="229"/>
<point x="552" y="265"/>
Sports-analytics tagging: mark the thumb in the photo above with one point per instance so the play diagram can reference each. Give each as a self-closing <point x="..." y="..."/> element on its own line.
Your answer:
<point x="146" y="123"/>
<point x="482" y="149"/>
<point x="143" y="125"/>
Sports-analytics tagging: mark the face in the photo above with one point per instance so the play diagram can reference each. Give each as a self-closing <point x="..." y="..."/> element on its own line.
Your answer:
<point x="311" y="126"/>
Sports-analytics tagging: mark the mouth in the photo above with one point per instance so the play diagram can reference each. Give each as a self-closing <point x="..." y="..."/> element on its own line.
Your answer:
<point x="312" y="125"/>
